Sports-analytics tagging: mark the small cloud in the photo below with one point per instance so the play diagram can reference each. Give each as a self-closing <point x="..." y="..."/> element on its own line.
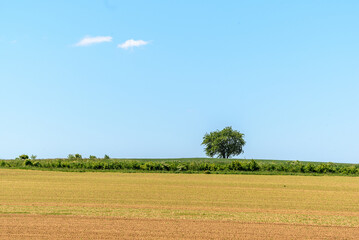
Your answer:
<point x="132" y="43"/>
<point x="87" y="41"/>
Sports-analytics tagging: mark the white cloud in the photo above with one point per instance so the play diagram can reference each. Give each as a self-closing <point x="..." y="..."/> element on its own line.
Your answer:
<point x="87" y="41"/>
<point x="132" y="43"/>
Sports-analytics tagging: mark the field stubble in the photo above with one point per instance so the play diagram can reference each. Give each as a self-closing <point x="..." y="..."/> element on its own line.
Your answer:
<point x="297" y="202"/>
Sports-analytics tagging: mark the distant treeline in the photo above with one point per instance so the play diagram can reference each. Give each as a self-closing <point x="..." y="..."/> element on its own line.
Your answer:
<point x="185" y="165"/>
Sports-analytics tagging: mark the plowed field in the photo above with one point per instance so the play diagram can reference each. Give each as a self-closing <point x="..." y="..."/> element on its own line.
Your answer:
<point x="75" y="227"/>
<point x="50" y="205"/>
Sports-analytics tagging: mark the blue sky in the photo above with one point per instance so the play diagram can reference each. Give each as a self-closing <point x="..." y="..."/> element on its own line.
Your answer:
<point x="150" y="78"/>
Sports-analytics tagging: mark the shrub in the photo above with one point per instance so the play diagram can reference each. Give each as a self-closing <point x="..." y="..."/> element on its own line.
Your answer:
<point x="253" y="165"/>
<point x="23" y="157"/>
<point x="74" y="157"/>
<point x="308" y="168"/>
<point x="351" y="170"/>
<point x="166" y="167"/>
<point x="27" y="162"/>
<point x="268" y="167"/>
<point x="76" y="162"/>
<point x="181" y="168"/>
<point x="36" y="164"/>
<point x="133" y="165"/>
<point x="92" y="157"/>
<point x="97" y="165"/>
<point x="235" y="165"/>
<point x="106" y="157"/>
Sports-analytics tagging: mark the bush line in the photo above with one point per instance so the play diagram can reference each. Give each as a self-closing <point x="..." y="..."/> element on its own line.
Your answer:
<point x="185" y="166"/>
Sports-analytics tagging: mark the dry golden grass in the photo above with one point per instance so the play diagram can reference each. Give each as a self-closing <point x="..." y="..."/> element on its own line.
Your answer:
<point x="295" y="200"/>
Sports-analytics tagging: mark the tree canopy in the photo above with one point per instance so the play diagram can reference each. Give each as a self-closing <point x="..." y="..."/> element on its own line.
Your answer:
<point x="224" y="143"/>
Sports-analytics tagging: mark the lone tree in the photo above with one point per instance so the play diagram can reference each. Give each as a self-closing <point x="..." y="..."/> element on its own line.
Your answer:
<point x="224" y="143"/>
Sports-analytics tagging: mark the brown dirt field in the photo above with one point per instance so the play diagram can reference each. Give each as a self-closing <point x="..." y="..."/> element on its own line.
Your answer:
<point x="24" y="226"/>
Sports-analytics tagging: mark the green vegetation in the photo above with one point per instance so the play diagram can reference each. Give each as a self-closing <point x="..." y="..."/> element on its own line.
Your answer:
<point x="224" y="143"/>
<point x="74" y="157"/>
<point x="23" y="157"/>
<point x="186" y="165"/>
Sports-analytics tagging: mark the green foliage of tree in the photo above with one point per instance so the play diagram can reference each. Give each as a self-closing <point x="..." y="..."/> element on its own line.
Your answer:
<point x="92" y="157"/>
<point x="27" y="162"/>
<point x="224" y="143"/>
<point x="74" y="157"/>
<point x="24" y="157"/>
<point x="106" y="157"/>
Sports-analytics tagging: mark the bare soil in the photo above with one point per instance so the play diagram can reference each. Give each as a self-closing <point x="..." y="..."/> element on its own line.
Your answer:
<point x="26" y="226"/>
